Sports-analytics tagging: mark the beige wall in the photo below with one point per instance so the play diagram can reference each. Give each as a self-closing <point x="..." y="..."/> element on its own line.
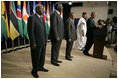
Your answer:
<point x="101" y="8"/>
<point x="114" y="7"/>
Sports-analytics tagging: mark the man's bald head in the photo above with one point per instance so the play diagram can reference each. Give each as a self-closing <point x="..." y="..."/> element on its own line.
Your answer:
<point x="39" y="9"/>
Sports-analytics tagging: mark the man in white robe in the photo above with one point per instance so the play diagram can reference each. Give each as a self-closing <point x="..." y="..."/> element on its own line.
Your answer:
<point x="81" y="32"/>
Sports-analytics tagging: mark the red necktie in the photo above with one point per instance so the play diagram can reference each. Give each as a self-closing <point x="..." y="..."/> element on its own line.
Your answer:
<point x="41" y="19"/>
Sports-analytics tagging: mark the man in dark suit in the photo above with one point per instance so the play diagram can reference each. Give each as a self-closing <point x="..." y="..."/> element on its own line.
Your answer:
<point x="56" y="33"/>
<point x="37" y="35"/>
<point x="90" y="33"/>
<point x="70" y="35"/>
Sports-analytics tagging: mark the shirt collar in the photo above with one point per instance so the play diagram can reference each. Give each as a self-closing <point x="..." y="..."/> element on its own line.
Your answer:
<point x="38" y="15"/>
<point x="57" y="12"/>
<point x="71" y="20"/>
<point x="92" y="18"/>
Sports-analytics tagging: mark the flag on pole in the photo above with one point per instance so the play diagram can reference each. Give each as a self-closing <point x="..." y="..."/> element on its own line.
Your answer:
<point x="44" y="15"/>
<point x="28" y="8"/>
<point x="52" y="7"/>
<point x="14" y="28"/>
<point x="62" y="14"/>
<point x="4" y="21"/>
<point x="25" y="18"/>
<point x="1" y="37"/>
<point x="19" y="16"/>
<point x="34" y="4"/>
<point x="48" y="14"/>
<point x="39" y="2"/>
<point x="48" y="19"/>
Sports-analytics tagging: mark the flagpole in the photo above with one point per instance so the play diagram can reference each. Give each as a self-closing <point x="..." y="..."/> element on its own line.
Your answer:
<point x="13" y="45"/>
<point x="6" y="45"/>
<point x="19" y="41"/>
<point x="29" y="41"/>
<point x="24" y="41"/>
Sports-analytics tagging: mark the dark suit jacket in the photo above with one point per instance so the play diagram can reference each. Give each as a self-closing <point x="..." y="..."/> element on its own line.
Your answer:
<point x="36" y="30"/>
<point x="57" y="26"/>
<point x="70" y="32"/>
<point x="90" y="27"/>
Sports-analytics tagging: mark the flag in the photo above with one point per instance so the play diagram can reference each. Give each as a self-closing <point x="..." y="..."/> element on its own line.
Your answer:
<point x="4" y="21"/>
<point x="1" y="37"/>
<point x="14" y="28"/>
<point x="53" y="7"/>
<point x="61" y="14"/>
<point x="44" y="15"/>
<point x="48" y="19"/>
<point x="19" y="16"/>
<point x="28" y="8"/>
<point x="48" y="14"/>
<point x="25" y="18"/>
<point x="39" y="2"/>
<point x="34" y="4"/>
<point x="50" y="7"/>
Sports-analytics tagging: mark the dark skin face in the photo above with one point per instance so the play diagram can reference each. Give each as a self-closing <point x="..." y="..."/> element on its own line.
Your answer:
<point x="40" y="10"/>
<point x="85" y="16"/>
<point x="72" y="16"/>
<point x="60" y="8"/>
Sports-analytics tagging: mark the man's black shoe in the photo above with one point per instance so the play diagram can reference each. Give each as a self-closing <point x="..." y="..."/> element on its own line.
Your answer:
<point x="35" y="74"/>
<point x="43" y="69"/>
<point x="69" y="59"/>
<point x="55" y="64"/>
<point x="87" y="54"/>
<point x="59" y="61"/>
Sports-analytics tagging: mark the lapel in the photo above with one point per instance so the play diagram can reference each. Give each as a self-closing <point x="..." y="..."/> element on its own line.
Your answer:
<point x="57" y="14"/>
<point x="41" y="22"/>
<point x="39" y="19"/>
<point x="92" y="20"/>
<point x="71" y="22"/>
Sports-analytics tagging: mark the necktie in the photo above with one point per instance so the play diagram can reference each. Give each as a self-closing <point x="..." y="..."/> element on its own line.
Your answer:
<point x="41" y="19"/>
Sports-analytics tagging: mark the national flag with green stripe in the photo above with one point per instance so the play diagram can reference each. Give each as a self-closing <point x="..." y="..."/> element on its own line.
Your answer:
<point x="25" y="18"/>
<point x="44" y="17"/>
<point x="14" y="28"/>
<point x="19" y="16"/>
<point x="4" y="21"/>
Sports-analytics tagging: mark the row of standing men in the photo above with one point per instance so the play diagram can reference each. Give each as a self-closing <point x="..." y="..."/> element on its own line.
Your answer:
<point x="58" y="31"/>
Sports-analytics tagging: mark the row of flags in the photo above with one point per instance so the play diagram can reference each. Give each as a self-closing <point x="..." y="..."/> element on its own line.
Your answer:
<point x="18" y="20"/>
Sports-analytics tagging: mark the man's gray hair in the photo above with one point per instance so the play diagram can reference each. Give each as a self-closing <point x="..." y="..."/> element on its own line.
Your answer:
<point x="38" y="6"/>
<point x="92" y="13"/>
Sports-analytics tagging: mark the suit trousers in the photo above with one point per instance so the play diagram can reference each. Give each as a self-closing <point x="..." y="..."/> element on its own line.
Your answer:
<point x="55" y="50"/>
<point x="38" y="57"/>
<point x="89" y="44"/>
<point x="69" y="46"/>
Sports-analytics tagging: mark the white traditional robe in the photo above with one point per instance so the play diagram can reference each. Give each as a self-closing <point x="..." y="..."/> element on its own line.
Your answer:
<point x="81" y="40"/>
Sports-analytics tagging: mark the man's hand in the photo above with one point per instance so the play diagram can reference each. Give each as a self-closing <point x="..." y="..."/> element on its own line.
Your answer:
<point x="34" y="46"/>
<point x="69" y="40"/>
<point x="100" y="26"/>
<point x="57" y="39"/>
